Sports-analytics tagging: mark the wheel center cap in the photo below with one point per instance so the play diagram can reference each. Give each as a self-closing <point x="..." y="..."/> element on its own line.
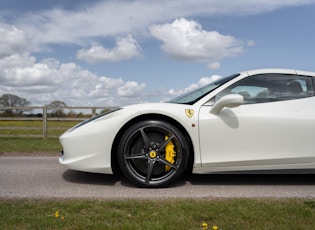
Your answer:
<point x="152" y="154"/>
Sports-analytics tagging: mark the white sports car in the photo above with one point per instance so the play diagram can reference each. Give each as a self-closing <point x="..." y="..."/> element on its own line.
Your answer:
<point x="255" y="120"/>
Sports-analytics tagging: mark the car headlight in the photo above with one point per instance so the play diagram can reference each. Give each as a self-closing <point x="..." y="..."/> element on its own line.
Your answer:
<point x="93" y="119"/>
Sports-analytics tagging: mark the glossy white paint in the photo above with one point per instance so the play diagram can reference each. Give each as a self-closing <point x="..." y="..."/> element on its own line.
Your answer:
<point x="277" y="135"/>
<point x="258" y="136"/>
<point x="229" y="101"/>
<point x="88" y="148"/>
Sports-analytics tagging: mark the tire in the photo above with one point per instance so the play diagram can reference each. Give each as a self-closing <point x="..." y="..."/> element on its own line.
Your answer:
<point x="152" y="154"/>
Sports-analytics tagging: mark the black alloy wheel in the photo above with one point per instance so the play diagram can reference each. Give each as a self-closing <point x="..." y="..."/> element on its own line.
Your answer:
<point x="153" y="154"/>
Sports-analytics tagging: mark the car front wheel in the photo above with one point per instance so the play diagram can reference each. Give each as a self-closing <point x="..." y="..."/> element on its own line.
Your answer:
<point x="152" y="154"/>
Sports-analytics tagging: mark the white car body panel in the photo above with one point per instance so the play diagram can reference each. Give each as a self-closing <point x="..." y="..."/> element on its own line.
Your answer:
<point x="88" y="147"/>
<point x="91" y="147"/>
<point x="247" y="137"/>
<point x="277" y="135"/>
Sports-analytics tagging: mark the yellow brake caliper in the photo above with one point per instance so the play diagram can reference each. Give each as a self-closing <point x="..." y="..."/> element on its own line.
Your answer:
<point x="169" y="154"/>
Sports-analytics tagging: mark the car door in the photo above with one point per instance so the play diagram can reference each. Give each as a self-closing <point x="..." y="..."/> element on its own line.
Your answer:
<point x="273" y="129"/>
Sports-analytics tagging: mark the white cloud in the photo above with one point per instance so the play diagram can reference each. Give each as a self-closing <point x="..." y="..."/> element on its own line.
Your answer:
<point x="185" y="40"/>
<point x="131" y="89"/>
<point x="109" y="84"/>
<point x="112" y="18"/>
<point x="126" y="48"/>
<point x="13" y="40"/>
<point x="49" y="80"/>
<point x="70" y="83"/>
<point x="22" y="71"/>
<point x="202" y="82"/>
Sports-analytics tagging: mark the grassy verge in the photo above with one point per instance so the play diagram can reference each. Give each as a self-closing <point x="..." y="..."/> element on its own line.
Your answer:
<point x="54" y="128"/>
<point x="29" y="145"/>
<point x="166" y="214"/>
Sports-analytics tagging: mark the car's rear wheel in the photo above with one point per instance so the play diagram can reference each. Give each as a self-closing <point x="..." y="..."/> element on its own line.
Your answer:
<point x="152" y="154"/>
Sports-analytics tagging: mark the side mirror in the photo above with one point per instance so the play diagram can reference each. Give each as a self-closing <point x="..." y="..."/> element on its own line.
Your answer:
<point x="230" y="101"/>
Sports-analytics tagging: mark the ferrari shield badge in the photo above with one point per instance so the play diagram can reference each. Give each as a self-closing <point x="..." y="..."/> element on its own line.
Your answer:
<point x="189" y="112"/>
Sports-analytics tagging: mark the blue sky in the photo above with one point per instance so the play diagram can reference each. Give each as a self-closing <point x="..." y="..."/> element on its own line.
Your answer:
<point x="113" y="53"/>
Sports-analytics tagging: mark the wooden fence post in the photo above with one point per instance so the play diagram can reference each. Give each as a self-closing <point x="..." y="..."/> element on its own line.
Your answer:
<point x="44" y="122"/>
<point x="93" y="112"/>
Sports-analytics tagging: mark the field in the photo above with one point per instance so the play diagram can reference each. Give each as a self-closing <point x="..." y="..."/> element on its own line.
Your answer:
<point x="18" y="136"/>
<point x="141" y="214"/>
<point x="34" y="128"/>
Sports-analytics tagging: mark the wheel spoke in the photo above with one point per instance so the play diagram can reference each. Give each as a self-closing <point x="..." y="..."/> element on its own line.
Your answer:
<point x="161" y="159"/>
<point x="145" y="137"/>
<point x="135" y="156"/>
<point x="149" y="170"/>
<point x="162" y="146"/>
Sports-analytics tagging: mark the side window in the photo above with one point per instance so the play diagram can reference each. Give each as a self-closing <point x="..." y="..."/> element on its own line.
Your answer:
<point x="264" y="88"/>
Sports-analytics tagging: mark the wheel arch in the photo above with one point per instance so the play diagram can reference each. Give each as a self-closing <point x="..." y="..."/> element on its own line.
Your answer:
<point x="114" y="149"/>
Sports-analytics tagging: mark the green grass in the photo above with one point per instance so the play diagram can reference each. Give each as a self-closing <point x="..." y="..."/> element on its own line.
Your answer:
<point x="15" y="128"/>
<point x="18" y="144"/>
<point x="39" y="124"/>
<point x="29" y="145"/>
<point x="158" y="214"/>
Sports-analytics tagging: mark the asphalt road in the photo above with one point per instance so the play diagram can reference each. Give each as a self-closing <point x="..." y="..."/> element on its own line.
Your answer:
<point x="44" y="177"/>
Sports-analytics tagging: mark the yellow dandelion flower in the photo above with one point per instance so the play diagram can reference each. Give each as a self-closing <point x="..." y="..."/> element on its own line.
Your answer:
<point x="215" y="227"/>
<point x="63" y="218"/>
<point x="204" y="226"/>
<point x="56" y="214"/>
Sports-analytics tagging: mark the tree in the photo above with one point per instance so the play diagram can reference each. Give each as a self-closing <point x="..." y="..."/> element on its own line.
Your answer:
<point x="56" y="108"/>
<point x="10" y="100"/>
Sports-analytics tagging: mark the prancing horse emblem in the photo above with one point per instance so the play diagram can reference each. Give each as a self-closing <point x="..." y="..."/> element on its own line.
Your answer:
<point x="189" y="112"/>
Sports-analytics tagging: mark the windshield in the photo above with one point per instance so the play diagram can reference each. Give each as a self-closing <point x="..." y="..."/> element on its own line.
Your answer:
<point x="193" y="96"/>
